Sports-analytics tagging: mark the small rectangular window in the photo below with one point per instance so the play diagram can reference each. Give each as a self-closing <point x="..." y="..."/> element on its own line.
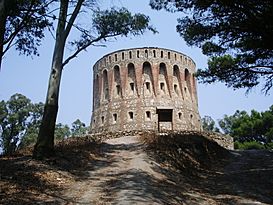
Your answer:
<point x="102" y="120"/>
<point x="169" y="55"/>
<point x="116" y="57"/>
<point x="161" y="54"/>
<point x="118" y="89"/>
<point x="147" y="85"/>
<point x="132" y="86"/>
<point x="138" y="54"/>
<point x="175" y="88"/>
<point x="131" y="115"/>
<point x="179" y="115"/>
<point x="148" y="115"/>
<point x="162" y="86"/>
<point x="130" y="54"/>
<point x="115" y="117"/>
<point x="154" y="53"/>
<point x="122" y="55"/>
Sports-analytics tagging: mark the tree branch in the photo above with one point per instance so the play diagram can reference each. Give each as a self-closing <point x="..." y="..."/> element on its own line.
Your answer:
<point x="72" y="18"/>
<point x="74" y="55"/>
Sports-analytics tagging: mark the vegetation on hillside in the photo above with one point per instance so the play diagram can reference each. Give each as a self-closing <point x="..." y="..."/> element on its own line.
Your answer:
<point x="250" y="131"/>
<point x="20" y="120"/>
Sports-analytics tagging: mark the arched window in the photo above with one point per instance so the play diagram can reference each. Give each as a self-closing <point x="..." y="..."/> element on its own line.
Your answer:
<point x="117" y="82"/>
<point x="105" y="85"/>
<point x="131" y="78"/>
<point x="188" y="79"/>
<point x="147" y="78"/>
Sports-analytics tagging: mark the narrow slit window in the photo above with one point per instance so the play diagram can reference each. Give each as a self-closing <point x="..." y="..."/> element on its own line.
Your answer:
<point x="131" y="115"/>
<point x="161" y="54"/>
<point x="115" y="117"/>
<point x="138" y="54"/>
<point x="118" y="89"/>
<point x="169" y="55"/>
<point x="148" y="115"/>
<point x="154" y="53"/>
<point x="102" y="120"/>
<point x="162" y="86"/>
<point x="116" y="57"/>
<point x="110" y="59"/>
<point x="174" y="56"/>
<point x="130" y="54"/>
<point x="146" y="53"/>
<point x="132" y="86"/>
<point x="147" y="85"/>
<point x="122" y="55"/>
<point x="175" y="88"/>
<point x="179" y="115"/>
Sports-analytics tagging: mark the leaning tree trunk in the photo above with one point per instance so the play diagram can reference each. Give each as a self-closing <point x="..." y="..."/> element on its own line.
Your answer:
<point x="45" y="142"/>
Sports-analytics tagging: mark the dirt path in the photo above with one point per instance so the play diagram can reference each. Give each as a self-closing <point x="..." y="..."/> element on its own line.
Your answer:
<point x="125" y="174"/>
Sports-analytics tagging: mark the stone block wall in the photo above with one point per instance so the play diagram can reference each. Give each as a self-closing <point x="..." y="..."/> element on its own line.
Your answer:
<point x="144" y="89"/>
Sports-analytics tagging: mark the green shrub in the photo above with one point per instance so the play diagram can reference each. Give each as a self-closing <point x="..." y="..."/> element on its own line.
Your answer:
<point x="248" y="145"/>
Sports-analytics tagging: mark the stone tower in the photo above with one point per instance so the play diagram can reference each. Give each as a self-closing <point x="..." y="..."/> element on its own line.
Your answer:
<point x="144" y="89"/>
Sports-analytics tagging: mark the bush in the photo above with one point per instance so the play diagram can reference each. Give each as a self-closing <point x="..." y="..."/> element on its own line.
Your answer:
<point x="248" y="145"/>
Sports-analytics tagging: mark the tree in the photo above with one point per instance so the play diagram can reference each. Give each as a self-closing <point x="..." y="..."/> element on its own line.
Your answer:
<point x="32" y="129"/>
<point x="236" y="35"/>
<point x="14" y="118"/>
<point x="22" y="24"/>
<point x="105" y="24"/>
<point x="61" y="131"/>
<point x="208" y="124"/>
<point x="78" y="128"/>
<point x="244" y="127"/>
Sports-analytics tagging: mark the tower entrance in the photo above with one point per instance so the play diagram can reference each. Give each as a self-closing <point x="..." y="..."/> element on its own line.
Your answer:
<point x="165" y="119"/>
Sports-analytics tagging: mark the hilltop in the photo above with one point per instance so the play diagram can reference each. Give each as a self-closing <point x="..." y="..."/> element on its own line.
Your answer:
<point x="140" y="169"/>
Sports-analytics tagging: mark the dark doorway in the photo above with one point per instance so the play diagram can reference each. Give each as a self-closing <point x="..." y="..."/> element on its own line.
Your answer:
<point x="165" y="119"/>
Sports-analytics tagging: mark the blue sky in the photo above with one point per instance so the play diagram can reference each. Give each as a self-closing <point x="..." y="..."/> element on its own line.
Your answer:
<point x="21" y="74"/>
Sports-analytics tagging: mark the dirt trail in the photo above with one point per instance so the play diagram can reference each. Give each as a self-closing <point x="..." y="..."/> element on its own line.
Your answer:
<point x="125" y="174"/>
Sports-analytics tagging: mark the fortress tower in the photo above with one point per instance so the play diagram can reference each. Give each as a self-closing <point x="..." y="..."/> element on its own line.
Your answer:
<point x="144" y="89"/>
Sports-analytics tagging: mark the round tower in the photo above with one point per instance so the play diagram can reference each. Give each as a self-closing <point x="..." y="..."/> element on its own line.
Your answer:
<point x="144" y="89"/>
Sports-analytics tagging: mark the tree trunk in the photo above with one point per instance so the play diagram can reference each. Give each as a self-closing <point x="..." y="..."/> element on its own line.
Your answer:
<point x="45" y="142"/>
<point x="3" y="19"/>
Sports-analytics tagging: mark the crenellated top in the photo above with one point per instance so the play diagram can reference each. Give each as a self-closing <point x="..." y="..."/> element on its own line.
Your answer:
<point x="149" y="54"/>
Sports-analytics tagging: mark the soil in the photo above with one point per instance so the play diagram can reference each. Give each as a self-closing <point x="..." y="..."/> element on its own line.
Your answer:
<point x="125" y="171"/>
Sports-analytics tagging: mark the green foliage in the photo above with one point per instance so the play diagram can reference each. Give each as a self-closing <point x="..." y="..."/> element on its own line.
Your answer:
<point x="20" y="121"/>
<point x="208" y="124"/>
<point x="120" y="22"/>
<point x="14" y="120"/>
<point x="24" y="22"/>
<point x="61" y="131"/>
<point x="78" y="128"/>
<point x="244" y="127"/>
<point x="248" y="145"/>
<point x="236" y="35"/>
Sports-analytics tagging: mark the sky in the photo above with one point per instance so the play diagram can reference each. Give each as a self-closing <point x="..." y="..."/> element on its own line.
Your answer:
<point x="29" y="76"/>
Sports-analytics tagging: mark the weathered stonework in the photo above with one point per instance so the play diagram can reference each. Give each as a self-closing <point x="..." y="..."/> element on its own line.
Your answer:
<point x="144" y="89"/>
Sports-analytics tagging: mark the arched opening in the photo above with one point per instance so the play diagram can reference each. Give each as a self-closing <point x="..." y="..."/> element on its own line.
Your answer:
<point x="147" y="78"/>
<point x="131" y="79"/>
<point x="188" y="79"/>
<point x="117" y="82"/>
<point x="105" y="85"/>
<point x="176" y="80"/>
<point x="163" y="78"/>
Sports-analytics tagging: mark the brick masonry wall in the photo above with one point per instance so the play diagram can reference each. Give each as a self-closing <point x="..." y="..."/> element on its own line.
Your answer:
<point x="130" y="85"/>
